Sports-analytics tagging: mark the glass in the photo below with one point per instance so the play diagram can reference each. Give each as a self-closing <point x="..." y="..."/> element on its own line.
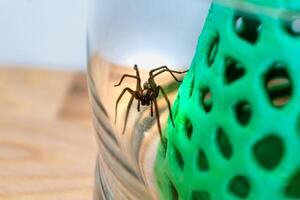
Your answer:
<point x="121" y="34"/>
<point x="150" y="34"/>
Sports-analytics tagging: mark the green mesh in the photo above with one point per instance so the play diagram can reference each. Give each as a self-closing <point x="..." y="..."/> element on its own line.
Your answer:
<point x="286" y="4"/>
<point x="237" y="114"/>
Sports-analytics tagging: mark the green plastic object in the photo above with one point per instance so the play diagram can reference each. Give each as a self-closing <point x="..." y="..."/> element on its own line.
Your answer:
<point x="237" y="112"/>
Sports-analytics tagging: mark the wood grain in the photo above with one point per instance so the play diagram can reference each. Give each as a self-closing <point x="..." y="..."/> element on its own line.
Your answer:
<point x="47" y="148"/>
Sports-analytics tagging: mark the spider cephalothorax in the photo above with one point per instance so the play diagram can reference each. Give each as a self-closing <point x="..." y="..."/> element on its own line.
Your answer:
<point x="146" y="95"/>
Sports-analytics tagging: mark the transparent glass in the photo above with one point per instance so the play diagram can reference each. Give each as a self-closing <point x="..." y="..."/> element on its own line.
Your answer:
<point x="121" y="34"/>
<point x="150" y="34"/>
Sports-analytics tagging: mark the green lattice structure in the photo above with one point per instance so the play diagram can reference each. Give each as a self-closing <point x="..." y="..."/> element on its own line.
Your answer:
<point x="237" y="113"/>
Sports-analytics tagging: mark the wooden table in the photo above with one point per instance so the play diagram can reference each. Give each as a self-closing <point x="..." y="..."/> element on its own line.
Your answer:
<point x="47" y="146"/>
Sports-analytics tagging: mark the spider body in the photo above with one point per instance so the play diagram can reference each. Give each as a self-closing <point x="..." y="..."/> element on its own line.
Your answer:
<point x="147" y="94"/>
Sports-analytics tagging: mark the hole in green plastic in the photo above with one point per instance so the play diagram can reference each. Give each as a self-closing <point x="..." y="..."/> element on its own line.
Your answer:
<point x="240" y="187"/>
<point x="293" y="188"/>
<point x="243" y="112"/>
<point x="234" y="70"/>
<point x="269" y="151"/>
<point x="192" y="86"/>
<point x="178" y="159"/>
<point x="188" y="128"/>
<point x="292" y="27"/>
<point x="202" y="195"/>
<point x="247" y="27"/>
<point x="213" y="50"/>
<point x="202" y="161"/>
<point x="174" y="192"/>
<point x="176" y="107"/>
<point x="224" y="144"/>
<point x="278" y="85"/>
<point x="206" y="100"/>
<point x="164" y="142"/>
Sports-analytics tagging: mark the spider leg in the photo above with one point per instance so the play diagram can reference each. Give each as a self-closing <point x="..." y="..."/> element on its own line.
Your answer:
<point x="127" y="112"/>
<point x="138" y="86"/>
<point x="119" y="98"/>
<point x="158" y="68"/>
<point x="157" y="118"/>
<point x="155" y="69"/>
<point x="151" y="108"/>
<point x="167" y="69"/>
<point x="126" y="75"/>
<point x="168" y="102"/>
<point x="138" y="106"/>
<point x="171" y="72"/>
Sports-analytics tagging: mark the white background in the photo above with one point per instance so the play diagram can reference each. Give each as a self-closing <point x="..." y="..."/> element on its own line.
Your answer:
<point x="43" y="33"/>
<point x="146" y="32"/>
<point x="52" y="33"/>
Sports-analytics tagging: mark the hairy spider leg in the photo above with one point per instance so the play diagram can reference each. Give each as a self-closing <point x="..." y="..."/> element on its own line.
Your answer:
<point x="168" y="102"/>
<point x="120" y="97"/>
<point x="171" y="72"/>
<point x="138" y="105"/>
<point x="151" y="108"/>
<point x="158" y="68"/>
<point x="167" y="69"/>
<point x="127" y="112"/>
<point x="125" y="75"/>
<point x="157" y="118"/>
<point x="138" y="86"/>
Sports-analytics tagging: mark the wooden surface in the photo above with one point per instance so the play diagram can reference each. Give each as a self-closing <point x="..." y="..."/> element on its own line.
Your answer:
<point x="47" y="145"/>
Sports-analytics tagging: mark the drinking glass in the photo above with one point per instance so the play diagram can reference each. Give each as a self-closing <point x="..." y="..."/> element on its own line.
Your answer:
<point x="121" y="34"/>
<point x="149" y="34"/>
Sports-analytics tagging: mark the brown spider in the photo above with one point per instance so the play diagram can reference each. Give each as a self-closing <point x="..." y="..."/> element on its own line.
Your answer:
<point x="147" y="94"/>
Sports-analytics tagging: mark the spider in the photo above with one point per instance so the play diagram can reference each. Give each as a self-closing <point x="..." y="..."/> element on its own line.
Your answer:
<point x="146" y="95"/>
